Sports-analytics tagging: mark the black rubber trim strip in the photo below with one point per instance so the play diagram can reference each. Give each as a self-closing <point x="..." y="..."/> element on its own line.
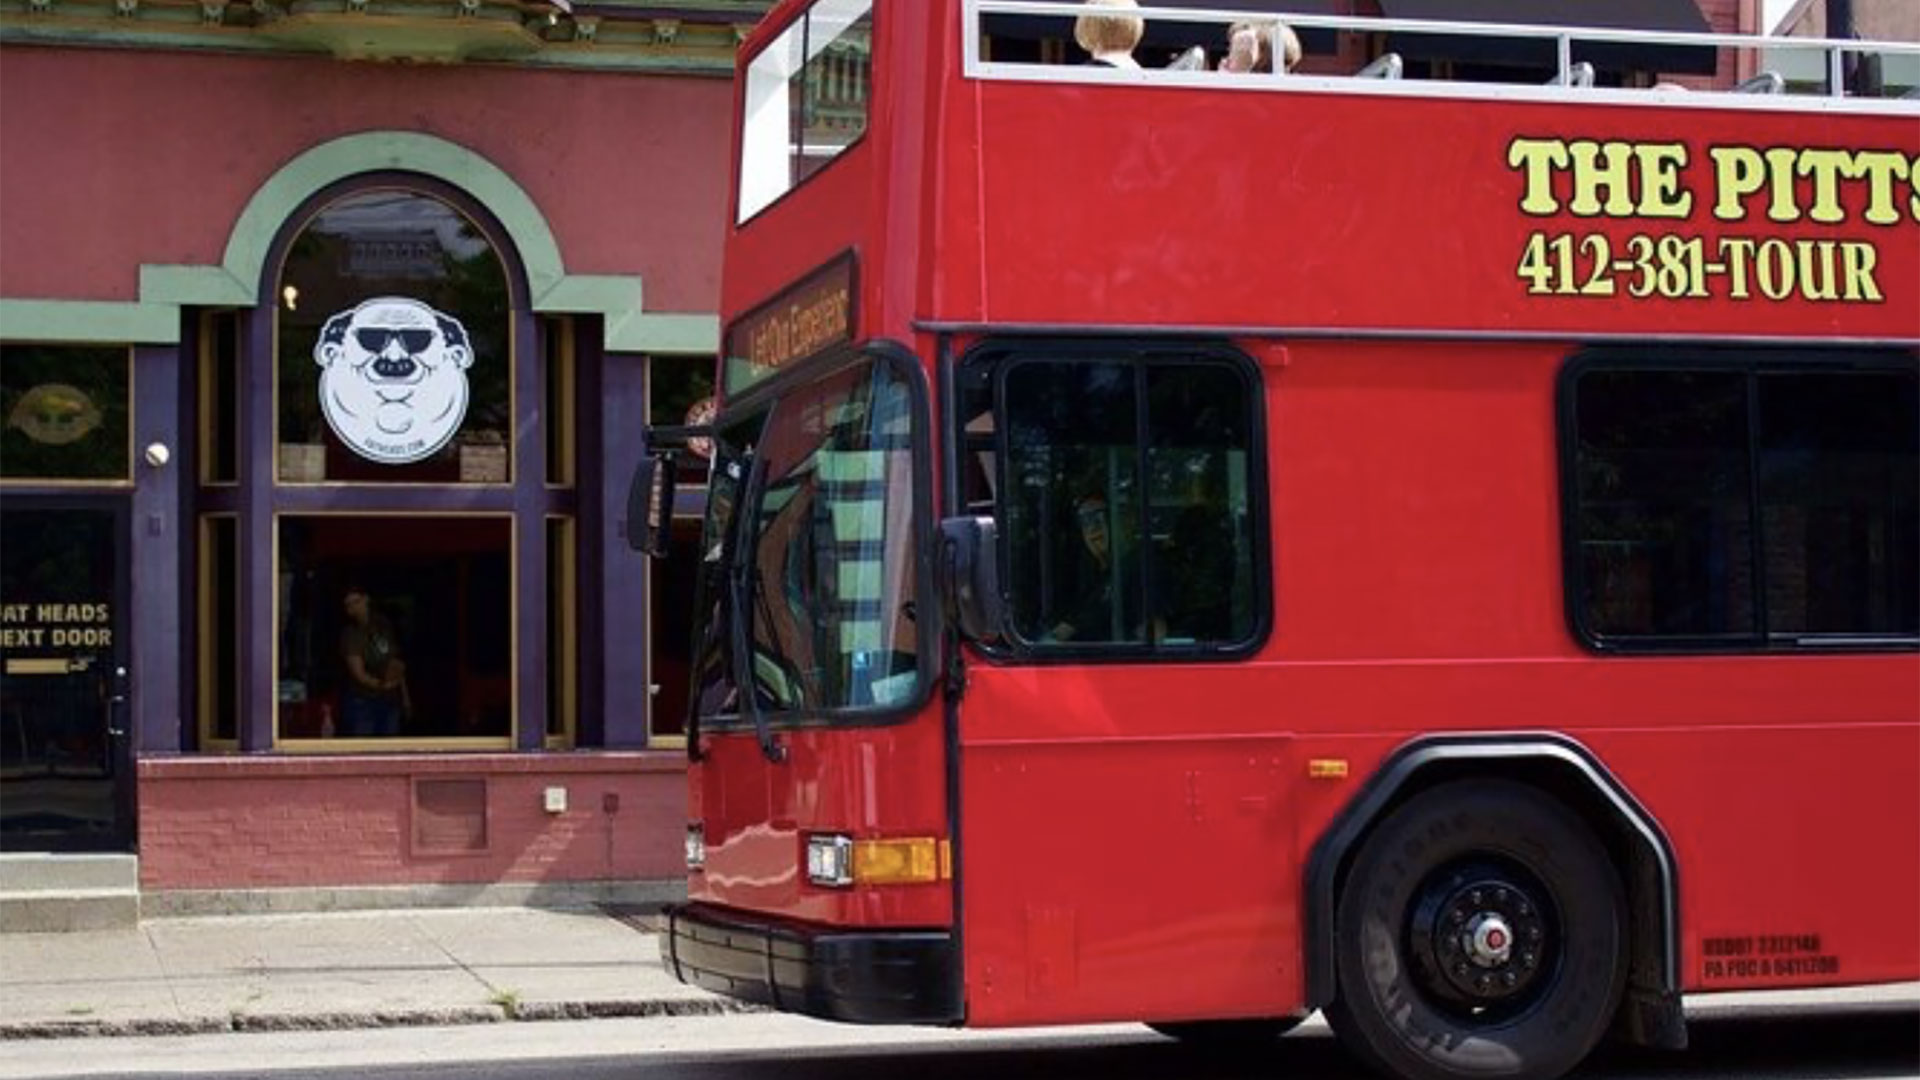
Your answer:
<point x="862" y="977"/>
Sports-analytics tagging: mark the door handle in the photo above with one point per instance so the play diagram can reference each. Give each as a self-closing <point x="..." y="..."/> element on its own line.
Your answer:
<point x="116" y="701"/>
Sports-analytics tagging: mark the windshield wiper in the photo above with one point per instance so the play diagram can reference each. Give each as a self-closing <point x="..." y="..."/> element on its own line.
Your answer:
<point x="740" y="579"/>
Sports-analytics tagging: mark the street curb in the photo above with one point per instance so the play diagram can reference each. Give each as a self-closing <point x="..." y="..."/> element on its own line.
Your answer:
<point x="529" y="1012"/>
<point x="612" y="1010"/>
<point x="69" y="1029"/>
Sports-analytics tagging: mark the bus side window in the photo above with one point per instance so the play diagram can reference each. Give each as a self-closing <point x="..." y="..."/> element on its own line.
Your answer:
<point x="978" y="471"/>
<point x="1197" y="475"/>
<point x="1125" y="504"/>
<point x="1667" y="463"/>
<point x="1072" y="503"/>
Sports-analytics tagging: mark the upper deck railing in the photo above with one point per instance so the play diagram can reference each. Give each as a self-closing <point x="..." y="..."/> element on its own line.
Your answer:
<point x="1780" y="63"/>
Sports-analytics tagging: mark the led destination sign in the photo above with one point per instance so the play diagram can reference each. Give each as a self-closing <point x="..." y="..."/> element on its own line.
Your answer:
<point x="808" y="318"/>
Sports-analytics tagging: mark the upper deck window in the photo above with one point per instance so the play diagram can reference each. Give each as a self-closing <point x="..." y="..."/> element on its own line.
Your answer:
<point x="807" y="95"/>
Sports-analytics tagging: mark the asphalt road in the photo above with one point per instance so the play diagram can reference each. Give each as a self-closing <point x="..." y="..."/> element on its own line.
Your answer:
<point x="1869" y="1041"/>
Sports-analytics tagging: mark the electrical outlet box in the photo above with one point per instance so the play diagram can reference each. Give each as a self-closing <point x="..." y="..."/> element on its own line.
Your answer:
<point x="556" y="800"/>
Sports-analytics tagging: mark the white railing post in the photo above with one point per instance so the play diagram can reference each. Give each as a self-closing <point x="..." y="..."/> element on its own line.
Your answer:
<point x="972" y="26"/>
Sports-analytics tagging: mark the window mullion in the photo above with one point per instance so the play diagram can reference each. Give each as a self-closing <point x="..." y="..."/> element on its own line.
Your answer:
<point x="1756" y="513"/>
<point x="1149" y="600"/>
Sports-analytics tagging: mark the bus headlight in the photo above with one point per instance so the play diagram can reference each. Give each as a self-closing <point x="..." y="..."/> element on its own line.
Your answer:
<point x="696" y="846"/>
<point x="830" y="860"/>
<point x="839" y="861"/>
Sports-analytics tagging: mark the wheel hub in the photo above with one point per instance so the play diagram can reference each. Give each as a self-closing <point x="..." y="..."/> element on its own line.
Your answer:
<point x="1482" y="937"/>
<point x="1488" y="940"/>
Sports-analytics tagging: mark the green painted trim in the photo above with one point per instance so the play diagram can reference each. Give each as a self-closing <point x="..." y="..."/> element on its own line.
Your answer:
<point x="86" y="321"/>
<point x="597" y="294"/>
<point x="107" y="35"/>
<point x="664" y="334"/>
<point x="404" y="151"/>
<point x="182" y="285"/>
<point x="165" y="289"/>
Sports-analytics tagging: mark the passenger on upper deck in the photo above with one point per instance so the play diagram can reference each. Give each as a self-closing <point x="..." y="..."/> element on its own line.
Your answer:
<point x="1250" y="47"/>
<point x="1110" y="39"/>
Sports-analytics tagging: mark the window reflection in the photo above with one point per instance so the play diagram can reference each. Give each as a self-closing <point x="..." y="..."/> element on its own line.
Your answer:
<point x="831" y="564"/>
<point x="807" y="100"/>
<point x="64" y="411"/>
<point x="826" y="581"/>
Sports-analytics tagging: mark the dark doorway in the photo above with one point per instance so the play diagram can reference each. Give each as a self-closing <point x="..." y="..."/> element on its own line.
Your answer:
<point x="672" y="601"/>
<point x="65" y="758"/>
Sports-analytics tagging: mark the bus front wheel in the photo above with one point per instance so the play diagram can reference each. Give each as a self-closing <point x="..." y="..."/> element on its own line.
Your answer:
<point x="1480" y="933"/>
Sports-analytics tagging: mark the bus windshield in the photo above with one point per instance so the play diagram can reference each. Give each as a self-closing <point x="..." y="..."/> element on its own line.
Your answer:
<point x="811" y="512"/>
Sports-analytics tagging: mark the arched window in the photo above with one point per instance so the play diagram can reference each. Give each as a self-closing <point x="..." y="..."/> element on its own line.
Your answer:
<point x="390" y="542"/>
<point x="393" y="342"/>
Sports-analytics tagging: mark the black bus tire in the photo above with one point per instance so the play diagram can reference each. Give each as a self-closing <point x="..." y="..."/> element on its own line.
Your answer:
<point x="1228" y="1035"/>
<point x="1444" y="881"/>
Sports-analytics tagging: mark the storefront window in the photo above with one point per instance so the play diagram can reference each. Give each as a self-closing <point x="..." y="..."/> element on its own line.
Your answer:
<point x="389" y="486"/>
<point x="219" y="628"/>
<point x="395" y="628"/>
<point x="394" y="357"/>
<point x="562" y="659"/>
<point x="220" y="398"/>
<point x="557" y="339"/>
<point x="64" y="411"/>
<point x="680" y="392"/>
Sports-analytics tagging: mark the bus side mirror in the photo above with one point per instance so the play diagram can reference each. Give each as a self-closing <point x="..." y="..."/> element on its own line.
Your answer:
<point x="970" y="567"/>
<point x="650" y="504"/>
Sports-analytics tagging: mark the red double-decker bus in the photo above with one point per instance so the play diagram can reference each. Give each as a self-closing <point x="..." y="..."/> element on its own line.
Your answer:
<point x="1199" y="547"/>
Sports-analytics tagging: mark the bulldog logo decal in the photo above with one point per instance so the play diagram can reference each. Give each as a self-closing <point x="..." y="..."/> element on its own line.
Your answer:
<point x="393" y="378"/>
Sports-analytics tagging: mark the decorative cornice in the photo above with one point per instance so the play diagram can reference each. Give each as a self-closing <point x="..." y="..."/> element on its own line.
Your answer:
<point x="693" y="37"/>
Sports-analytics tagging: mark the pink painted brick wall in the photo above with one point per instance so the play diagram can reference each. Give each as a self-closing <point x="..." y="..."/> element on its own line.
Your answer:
<point x="227" y="823"/>
<point x="112" y="158"/>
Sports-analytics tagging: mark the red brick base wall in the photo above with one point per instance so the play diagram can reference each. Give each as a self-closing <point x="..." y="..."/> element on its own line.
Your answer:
<point x="271" y="822"/>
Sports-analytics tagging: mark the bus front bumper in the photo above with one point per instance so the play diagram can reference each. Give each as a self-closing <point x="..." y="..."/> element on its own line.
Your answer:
<point x="863" y="977"/>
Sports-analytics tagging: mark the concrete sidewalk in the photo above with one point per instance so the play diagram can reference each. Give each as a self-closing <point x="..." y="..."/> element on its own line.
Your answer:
<point x="338" y="970"/>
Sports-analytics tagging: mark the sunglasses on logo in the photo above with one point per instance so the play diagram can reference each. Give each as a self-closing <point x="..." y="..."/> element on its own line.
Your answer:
<point x="376" y="340"/>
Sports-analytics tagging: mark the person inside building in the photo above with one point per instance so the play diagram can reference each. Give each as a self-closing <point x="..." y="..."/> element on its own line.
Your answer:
<point x="1110" y="39"/>
<point x="1250" y="47"/>
<point x="373" y="696"/>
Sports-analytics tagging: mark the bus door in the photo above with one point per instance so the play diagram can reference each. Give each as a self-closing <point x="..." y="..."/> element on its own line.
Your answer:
<point x="809" y="593"/>
<point x="1125" y="847"/>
